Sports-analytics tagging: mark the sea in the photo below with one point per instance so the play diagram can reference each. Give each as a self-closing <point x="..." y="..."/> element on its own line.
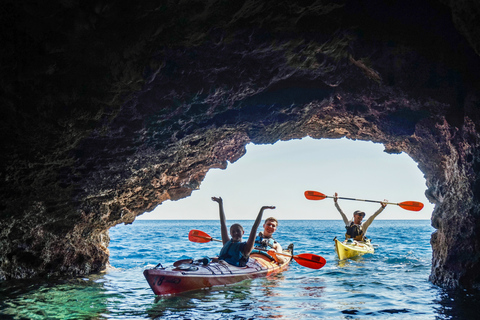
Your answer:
<point x="392" y="283"/>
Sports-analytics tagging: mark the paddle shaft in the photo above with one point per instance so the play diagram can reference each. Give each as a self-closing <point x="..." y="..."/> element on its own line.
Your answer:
<point x="280" y="253"/>
<point x="407" y="205"/>
<point x="209" y="238"/>
<point x="353" y="199"/>
<point x="309" y="264"/>
<point x="308" y="260"/>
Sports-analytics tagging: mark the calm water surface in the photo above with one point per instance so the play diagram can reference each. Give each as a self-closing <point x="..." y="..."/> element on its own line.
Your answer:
<point x="390" y="284"/>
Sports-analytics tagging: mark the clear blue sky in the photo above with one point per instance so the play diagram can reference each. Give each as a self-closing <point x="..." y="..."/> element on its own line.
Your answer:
<point x="279" y="174"/>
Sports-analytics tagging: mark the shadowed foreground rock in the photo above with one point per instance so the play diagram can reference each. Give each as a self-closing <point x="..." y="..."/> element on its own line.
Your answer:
<point x="108" y="110"/>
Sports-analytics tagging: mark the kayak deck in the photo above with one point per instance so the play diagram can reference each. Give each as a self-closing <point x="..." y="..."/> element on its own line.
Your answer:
<point x="197" y="275"/>
<point x="352" y="248"/>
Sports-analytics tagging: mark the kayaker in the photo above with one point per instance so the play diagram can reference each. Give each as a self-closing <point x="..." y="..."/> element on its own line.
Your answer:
<point x="265" y="240"/>
<point x="235" y="251"/>
<point x="355" y="228"/>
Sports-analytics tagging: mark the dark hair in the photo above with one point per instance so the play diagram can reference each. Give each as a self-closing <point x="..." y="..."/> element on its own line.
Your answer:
<point x="236" y="225"/>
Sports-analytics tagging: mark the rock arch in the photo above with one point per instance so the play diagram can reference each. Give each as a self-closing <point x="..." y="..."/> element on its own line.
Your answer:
<point x="126" y="107"/>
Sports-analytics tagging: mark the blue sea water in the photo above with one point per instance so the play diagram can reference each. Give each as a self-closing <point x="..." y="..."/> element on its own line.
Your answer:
<point x="390" y="284"/>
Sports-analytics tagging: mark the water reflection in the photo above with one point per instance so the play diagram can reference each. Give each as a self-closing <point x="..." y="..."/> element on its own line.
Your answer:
<point x="261" y="298"/>
<point x="458" y="304"/>
<point x="269" y="285"/>
<point x="356" y="262"/>
<point x="225" y="301"/>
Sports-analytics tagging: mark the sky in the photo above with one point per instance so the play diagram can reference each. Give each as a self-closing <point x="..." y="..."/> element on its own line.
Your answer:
<point x="279" y="174"/>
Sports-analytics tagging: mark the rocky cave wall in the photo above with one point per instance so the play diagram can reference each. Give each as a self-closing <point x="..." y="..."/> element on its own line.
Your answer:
<point x="109" y="109"/>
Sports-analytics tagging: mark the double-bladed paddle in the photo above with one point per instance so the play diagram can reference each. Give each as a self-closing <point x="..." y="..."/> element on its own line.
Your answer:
<point x="407" y="205"/>
<point x="308" y="260"/>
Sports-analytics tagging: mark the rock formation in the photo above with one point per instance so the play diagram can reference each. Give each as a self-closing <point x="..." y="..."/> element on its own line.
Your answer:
<point x="109" y="109"/>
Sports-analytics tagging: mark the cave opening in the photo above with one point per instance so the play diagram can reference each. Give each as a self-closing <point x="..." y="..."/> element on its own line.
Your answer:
<point x="269" y="175"/>
<point x="278" y="174"/>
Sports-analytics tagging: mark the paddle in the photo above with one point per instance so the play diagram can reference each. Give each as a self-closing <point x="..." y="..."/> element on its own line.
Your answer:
<point x="407" y="205"/>
<point x="200" y="237"/>
<point x="308" y="260"/>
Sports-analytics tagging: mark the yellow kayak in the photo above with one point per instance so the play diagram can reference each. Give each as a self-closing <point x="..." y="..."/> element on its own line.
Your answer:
<point x="352" y="248"/>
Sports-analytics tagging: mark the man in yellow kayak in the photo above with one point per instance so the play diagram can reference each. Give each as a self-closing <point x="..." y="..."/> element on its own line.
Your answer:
<point x="355" y="228"/>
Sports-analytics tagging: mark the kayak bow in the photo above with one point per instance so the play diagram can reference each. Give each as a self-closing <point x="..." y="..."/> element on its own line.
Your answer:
<point x="352" y="248"/>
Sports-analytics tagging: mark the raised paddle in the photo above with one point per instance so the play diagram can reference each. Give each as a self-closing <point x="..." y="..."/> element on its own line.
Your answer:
<point x="407" y="205"/>
<point x="308" y="260"/>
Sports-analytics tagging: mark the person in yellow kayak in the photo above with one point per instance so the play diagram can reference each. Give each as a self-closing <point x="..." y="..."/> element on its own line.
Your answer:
<point x="356" y="230"/>
<point x="234" y="251"/>
<point x="265" y="241"/>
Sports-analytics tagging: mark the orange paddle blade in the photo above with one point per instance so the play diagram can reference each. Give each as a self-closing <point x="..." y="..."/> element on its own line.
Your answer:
<point x="199" y="236"/>
<point x="272" y="253"/>
<point x="411" y="205"/>
<point x="309" y="260"/>
<point x="314" y="195"/>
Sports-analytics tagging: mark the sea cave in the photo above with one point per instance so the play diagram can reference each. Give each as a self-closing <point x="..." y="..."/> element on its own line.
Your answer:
<point x="111" y="108"/>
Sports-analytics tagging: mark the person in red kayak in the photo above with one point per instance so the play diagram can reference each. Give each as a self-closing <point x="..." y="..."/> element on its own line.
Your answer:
<point x="235" y="251"/>
<point x="356" y="230"/>
<point x="265" y="241"/>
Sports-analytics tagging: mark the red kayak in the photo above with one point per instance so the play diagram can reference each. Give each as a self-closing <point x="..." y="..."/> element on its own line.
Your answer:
<point x="199" y="274"/>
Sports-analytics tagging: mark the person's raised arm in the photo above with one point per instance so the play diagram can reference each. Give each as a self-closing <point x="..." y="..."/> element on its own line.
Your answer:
<point x="253" y="233"/>
<point x="344" y="217"/>
<point x="367" y="223"/>
<point x="223" y="223"/>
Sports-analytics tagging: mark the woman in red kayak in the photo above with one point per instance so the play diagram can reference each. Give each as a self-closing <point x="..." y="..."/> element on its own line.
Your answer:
<point x="235" y="251"/>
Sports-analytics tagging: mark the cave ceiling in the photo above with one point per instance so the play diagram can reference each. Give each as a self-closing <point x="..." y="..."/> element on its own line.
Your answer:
<point x="110" y="108"/>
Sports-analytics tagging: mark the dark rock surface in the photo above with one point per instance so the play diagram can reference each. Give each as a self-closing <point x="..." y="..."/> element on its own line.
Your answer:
<point x="108" y="109"/>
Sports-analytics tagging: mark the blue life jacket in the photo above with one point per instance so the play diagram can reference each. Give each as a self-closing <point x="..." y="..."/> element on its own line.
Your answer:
<point x="232" y="253"/>
<point x="264" y="244"/>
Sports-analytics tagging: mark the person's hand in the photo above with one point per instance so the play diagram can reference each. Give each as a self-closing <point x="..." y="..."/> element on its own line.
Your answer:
<point x="217" y="199"/>
<point x="268" y="207"/>
<point x="384" y="203"/>
<point x="335" y="198"/>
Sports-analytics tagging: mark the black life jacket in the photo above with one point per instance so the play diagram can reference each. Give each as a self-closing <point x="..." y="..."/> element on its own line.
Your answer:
<point x="354" y="231"/>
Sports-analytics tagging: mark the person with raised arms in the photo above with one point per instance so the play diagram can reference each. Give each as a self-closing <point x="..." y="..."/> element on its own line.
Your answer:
<point x="356" y="230"/>
<point x="234" y="251"/>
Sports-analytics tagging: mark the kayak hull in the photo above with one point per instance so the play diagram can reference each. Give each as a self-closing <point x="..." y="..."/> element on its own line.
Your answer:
<point x="347" y="249"/>
<point x="174" y="280"/>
